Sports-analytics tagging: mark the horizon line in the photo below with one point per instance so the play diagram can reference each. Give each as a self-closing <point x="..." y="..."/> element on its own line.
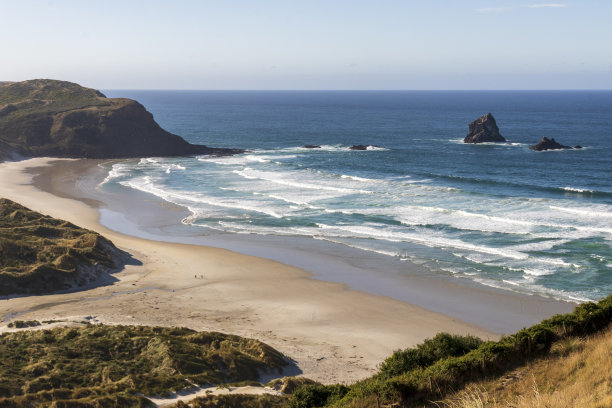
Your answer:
<point x="360" y="90"/>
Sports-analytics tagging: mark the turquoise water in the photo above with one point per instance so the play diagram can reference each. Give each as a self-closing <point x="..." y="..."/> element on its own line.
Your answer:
<point x="499" y="214"/>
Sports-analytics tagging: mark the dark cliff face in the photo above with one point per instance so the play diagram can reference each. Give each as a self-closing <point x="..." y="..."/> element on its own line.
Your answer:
<point x="61" y="119"/>
<point x="484" y="129"/>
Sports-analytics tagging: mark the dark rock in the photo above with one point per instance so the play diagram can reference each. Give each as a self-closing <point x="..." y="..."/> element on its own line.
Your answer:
<point x="361" y="147"/>
<point x="548" y="144"/>
<point x="577" y="147"/>
<point x="311" y="147"/>
<point x="484" y="129"/>
<point x="44" y="117"/>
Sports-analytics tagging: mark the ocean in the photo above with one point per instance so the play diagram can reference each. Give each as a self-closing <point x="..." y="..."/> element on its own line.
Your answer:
<point x="500" y="215"/>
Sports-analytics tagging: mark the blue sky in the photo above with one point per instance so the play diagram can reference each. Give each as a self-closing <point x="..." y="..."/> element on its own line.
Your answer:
<point x="310" y="44"/>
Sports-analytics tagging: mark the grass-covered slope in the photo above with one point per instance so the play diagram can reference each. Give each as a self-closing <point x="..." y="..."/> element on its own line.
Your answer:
<point x="44" y="117"/>
<point x="576" y="373"/>
<point x="41" y="254"/>
<point x="435" y="369"/>
<point x="109" y="366"/>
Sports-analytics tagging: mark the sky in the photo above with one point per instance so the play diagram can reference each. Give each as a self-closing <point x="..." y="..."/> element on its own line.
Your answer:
<point x="309" y="44"/>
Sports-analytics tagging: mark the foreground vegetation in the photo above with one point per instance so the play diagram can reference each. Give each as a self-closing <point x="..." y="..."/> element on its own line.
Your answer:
<point x="565" y="361"/>
<point x="576" y="373"/>
<point x="113" y="366"/>
<point x="40" y="254"/>
<point x="435" y="369"/>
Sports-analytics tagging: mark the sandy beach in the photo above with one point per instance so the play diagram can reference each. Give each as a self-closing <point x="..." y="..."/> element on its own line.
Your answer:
<point x="334" y="333"/>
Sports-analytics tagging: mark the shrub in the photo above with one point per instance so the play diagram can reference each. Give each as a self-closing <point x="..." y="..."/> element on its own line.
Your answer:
<point x="309" y="396"/>
<point x="423" y="355"/>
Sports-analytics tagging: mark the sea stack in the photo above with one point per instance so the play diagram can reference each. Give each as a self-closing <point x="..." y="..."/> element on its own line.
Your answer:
<point x="550" y="144"/>
<point x="484" y="129"/>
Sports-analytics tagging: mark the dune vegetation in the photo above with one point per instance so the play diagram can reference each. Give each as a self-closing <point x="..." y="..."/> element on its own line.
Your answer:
<point x="41" y="254"/>
<point x="115" y="366"/>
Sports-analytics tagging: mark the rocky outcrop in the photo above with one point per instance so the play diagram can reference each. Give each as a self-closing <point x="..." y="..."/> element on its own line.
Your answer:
<point x="550" y="144"/>
<point x="44" y="117"/>
<point x="359" y="147"/>
<point x="311" y="147"/>
<point x="484" y="129"/>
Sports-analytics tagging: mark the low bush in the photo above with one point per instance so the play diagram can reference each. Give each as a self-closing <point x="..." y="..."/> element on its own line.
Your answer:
<point x="441" y="346"/>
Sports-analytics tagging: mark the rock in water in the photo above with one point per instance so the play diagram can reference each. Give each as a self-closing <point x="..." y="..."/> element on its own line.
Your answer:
<point x="549" y="144"/>
<point x="484" y="129"/>
<point x="311" y="147"/>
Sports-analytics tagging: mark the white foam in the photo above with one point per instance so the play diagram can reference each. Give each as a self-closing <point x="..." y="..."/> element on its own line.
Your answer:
<point x="355" y="178"/>
<point x="603" y="211"/>
<point x="148" y="160"/>
<point x="423" y="239"/>
<point x="241" y="159"/>
<point x="285" y="179"/>
<point x="539" y="272"/>
<point x="577" y="190"/>
<point x="117" y="171"/>
<point x="169" y="168"/>
<point x="148" y="185"/>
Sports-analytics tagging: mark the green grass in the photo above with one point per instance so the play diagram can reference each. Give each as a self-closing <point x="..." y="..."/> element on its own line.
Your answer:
<point x="40" y="95"/>
<point x="107" y="363"/>
<point x="40" y="254"/>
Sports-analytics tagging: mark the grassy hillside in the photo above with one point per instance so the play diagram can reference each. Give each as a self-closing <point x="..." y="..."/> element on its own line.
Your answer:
<point x="437" y="368"/>
<point x="576" y="373"/>
<point x="110" y="366"/>
<point x="43" y="117"/>
<point x="40" y="254"/>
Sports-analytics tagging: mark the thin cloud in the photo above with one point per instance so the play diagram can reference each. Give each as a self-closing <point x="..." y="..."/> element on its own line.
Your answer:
<point x="493" y="9"/>
<point x="547" y="5"/>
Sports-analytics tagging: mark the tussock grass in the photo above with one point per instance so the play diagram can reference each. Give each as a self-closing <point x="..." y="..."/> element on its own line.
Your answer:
<point x="41" y="254"/>
<point x="98" y="364"/>
<point x="576" y="374"/>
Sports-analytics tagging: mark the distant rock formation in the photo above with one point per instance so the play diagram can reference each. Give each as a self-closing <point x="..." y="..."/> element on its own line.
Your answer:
<point x="44" y="117"/>
<point x="359" y="147"/>
<point x="484" y="129"/>
<point x="550" y="144"/>
<point x="311" y="147"/>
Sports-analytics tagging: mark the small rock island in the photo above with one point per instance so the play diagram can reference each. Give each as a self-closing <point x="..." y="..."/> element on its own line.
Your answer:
<point x="45" y="117"/>
<point x="484" y="129"/>
<point x="551" y="144"/>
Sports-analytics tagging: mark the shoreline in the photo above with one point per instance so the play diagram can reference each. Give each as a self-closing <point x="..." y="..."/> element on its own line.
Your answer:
<point x="143" y="215"/>
<point x="335" y="333"/>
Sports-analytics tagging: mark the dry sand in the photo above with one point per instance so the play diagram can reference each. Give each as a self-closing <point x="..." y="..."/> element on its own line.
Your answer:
<point x="334" y="334"/>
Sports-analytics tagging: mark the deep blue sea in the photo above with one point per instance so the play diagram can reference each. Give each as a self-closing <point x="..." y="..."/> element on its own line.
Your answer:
<point x="499" y="214"/>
